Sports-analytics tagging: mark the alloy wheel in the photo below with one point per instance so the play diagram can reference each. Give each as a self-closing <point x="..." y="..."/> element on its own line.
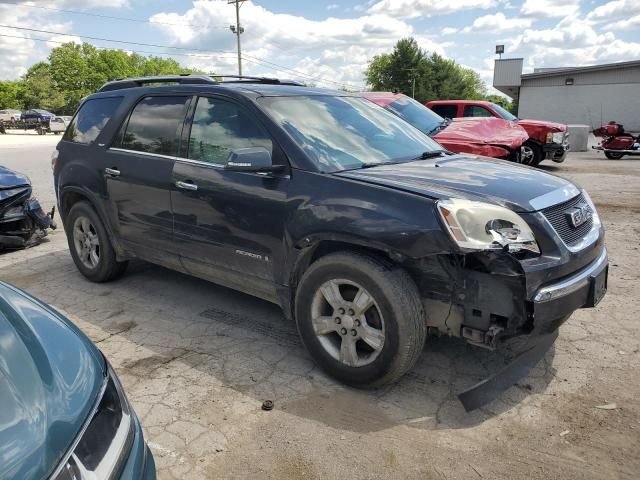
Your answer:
<point x="86" y="242"/>
<point x="347" y="322"/>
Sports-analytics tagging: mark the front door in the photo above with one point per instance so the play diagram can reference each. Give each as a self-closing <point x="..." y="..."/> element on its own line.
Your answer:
<point x="229" y="226"/>
<point x="138" y="168"/>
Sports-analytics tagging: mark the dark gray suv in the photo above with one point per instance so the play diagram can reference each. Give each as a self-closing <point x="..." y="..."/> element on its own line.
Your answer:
<point x="362" y="228"/>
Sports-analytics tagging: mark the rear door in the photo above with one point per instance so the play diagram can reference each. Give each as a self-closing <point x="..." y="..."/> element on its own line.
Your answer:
<point x="229" y="226"/>
<point x="138" y="167"/>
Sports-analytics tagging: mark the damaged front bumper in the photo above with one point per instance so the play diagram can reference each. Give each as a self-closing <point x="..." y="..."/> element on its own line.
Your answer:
<point x="551" y="305"/>
<point x="23" y="223"/>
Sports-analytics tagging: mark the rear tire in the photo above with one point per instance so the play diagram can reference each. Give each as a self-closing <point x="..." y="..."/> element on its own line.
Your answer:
<point x="361" y="320"/>
<point x="90" y="246"/>
<point x="613" y="155"/>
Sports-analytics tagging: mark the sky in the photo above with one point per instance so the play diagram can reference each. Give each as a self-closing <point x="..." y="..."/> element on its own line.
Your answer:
<point x="330" y="42"/>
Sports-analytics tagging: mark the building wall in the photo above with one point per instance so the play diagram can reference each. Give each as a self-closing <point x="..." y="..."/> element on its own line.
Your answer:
<point x="581" y="103"/>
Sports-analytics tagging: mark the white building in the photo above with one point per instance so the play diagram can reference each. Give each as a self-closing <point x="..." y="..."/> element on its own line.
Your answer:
<point x="583" y="95"/>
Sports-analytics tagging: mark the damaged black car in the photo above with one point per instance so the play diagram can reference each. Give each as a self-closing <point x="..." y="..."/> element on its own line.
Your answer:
<point x="23" y="223"/>
<point x="365" y="231"/>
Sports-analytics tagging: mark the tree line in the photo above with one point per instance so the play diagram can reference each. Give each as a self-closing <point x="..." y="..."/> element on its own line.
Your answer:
<point x="73" y="71"/>
<point x="416" y="73"/>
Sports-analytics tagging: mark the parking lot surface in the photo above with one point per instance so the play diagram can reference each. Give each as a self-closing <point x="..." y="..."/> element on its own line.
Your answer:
<point x="198" y="360"/>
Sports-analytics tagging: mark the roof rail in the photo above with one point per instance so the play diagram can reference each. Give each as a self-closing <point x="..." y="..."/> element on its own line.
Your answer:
<point x="192" y="79"/>
<point x="248" y="79"/>
<point x="183" y="78"/>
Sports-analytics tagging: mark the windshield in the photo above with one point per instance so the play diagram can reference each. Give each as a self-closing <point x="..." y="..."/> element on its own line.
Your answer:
<point x="503" y="113"/>
<point x="343" y="133"/>
<point x="416" y="114"/>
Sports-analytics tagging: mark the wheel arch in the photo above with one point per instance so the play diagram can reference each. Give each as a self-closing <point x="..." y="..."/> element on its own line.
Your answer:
<point x="72" y="195"/>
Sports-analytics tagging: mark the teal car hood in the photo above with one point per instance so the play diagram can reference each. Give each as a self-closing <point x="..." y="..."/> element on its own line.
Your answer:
<point x="50" y="377"/>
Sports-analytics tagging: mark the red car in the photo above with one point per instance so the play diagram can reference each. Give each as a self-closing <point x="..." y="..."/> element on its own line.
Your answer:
<point x="491" y="137"/>
<point x="548" y="140"/>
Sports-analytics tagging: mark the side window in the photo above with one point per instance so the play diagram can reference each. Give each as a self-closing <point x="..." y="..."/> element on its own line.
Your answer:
<point x="154" y="126"/>
<point x="476" y="111"/>
<point x="91" y="119"/>
<point x="220" y="126"/>
<point x="446" y="111"/>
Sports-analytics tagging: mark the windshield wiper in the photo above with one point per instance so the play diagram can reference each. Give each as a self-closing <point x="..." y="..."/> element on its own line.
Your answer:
<point x="431" y="154"/>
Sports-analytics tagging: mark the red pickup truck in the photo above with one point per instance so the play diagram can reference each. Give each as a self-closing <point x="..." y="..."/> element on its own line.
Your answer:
<point x="490" y="137"/>
<point x="547" y="140"/>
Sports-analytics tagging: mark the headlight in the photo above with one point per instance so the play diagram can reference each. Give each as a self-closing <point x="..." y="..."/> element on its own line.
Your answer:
<point x="103" y="444"/>
<point x="557" y="137"/>
<point x="483" y="226"/>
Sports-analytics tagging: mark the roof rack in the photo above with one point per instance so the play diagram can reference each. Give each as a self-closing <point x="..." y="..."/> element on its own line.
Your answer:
<point x="191" y="79"/>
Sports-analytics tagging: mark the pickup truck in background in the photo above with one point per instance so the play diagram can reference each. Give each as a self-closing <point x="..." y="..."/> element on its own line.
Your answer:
<point x="547" y="140"/>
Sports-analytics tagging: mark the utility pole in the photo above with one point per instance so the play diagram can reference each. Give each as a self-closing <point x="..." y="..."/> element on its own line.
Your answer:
<point x="238" y="30"/>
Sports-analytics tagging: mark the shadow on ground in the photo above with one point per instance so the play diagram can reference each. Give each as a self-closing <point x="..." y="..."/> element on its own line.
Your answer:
<point x="152" y="318"/>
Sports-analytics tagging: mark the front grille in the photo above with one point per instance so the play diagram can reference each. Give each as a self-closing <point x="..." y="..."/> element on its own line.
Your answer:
<point x="556" y="215"/>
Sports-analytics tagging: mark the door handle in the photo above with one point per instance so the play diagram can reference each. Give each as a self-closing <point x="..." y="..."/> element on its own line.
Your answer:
<point x="186" y="185"/>
<point x="112" y="172"/>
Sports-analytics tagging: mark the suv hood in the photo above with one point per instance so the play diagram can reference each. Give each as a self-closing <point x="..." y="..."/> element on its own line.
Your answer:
<point x="50" y="377"/>
<point x="473" y="178"/>
<point x="484" y="131"/>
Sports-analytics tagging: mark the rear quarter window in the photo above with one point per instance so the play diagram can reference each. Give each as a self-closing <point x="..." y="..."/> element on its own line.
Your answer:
<point x="446" y="111"/>
<point x="91" y="119"/>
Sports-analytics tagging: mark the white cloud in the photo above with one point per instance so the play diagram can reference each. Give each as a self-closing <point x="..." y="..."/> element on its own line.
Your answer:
<point x="574" y="41"/>
<point x="426" y="8"/>
<point x="337" y="49"/>
<point x="497" y="23"/>
<point x="626" y="24"/>
<point x="333" y="6"/>
<point x="619" y="9"/>
<point x="449" y="31"/>
<point x="549" y="8"/>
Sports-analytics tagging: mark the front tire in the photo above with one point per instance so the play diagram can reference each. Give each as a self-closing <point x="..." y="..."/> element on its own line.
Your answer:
<point x="534" y="153"/>
<point x="90" y="246"/>
<point x="361" y="319"/>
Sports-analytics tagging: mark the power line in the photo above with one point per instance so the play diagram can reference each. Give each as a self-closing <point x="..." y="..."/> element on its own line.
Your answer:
<point x="111" y="17"/>
<point x="307" y="76"/>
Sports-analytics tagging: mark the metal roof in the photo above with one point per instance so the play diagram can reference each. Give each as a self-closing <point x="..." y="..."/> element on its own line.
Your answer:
<point x="576" y="70"/>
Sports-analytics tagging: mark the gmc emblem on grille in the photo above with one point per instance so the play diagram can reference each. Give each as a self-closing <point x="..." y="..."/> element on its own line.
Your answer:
<point x="579" y="214"/>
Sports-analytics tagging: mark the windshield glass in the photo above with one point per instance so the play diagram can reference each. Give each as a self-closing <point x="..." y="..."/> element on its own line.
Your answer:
<point x="416" y="114"/>
<point x="343" y="133"/>
<point x="503" y="113"/>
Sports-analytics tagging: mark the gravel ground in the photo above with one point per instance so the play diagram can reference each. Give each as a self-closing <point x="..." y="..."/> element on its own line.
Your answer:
<point x="197" y="361"/>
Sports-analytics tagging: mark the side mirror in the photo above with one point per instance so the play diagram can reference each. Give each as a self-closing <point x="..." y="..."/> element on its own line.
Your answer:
<point x="251" y="159"/>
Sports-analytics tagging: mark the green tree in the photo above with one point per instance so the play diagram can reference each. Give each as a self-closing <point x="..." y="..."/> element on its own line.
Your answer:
<point x="40" y="91"/>
<point x="11" y="93"/>
<point x="435" y="77"/>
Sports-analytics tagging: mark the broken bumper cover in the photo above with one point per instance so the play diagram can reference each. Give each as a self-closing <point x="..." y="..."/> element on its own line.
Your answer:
<point x="555" y="151"/>
<point x="552" y="305"/>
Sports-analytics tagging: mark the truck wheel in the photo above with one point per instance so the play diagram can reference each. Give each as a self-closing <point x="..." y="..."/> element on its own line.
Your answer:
<point x="361" y="320"/>
<point x="531" y="153"/>
<point x="90" y="246"/>
<point x="613" y="155"/>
